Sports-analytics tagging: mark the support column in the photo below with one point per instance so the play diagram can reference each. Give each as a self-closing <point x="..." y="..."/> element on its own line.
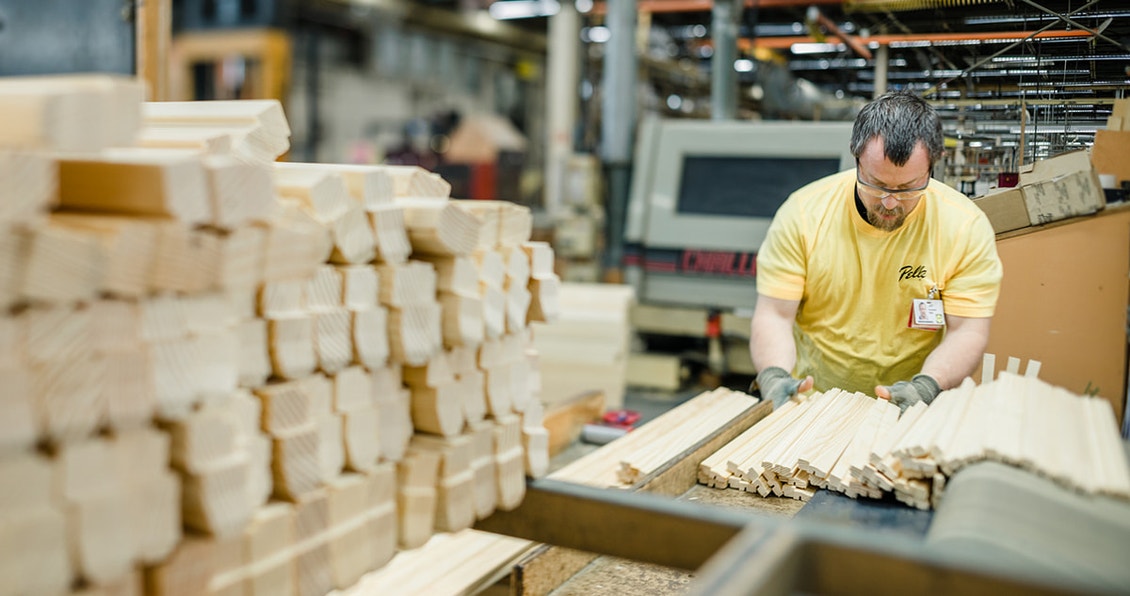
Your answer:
<point x="723" y="77"/>
<point x="562" y="97"/>
<point x="882" y="61"/>
<point x="618" y="124"/>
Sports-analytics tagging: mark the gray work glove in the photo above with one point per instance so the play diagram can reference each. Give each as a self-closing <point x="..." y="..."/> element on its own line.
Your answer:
<point x="777" y="385"/>
<point x="907" y="393"/>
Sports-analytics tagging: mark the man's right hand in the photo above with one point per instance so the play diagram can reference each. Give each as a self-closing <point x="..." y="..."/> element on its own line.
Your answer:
<point x="777" y="385"/>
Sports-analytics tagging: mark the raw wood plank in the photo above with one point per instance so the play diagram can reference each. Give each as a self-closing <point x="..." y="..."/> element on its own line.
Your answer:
<point x="215" y="501"/>
<point x="370" y="186"/>
<point x="492" y="268"/>
<point x="186" y="572"/>
<point x="240" y="192"/>
<point x="333" y="339"/>
<point x="494" y="312"/>
<point x="292" y="346"/>
<point x="414" y="181"/>
<point x="544" y="301"/>
<point x="436" y="372"/>
<point x="472" y="389"/>
<point x="203" y="440"/>
<point x="370" y="337"/>
<point x="454" y="274"/>
<point x="163" y="184"/>
<point x="240" y="262"/>
<point x="462" y="320"/>
<point x="283" y="298"/>
<point x="129" y="247"/>
<point x="517" y="308"/>
<point x="13" y="260"/>
<point x="259" y="128"/>
<point x="325" y="289"/>
<point x="29" y="189"/>
<point x="254" y="362"/>
<point x="360" y="286"/>
<point x="403" y="285"/>
<point x="414" y="332"/>
<point x="331" y="445"/>
<point x="565" y="420"/>
<point x="354" y="242"/>
<point x="285" y="408"/>
<point x="295" y="464"/>
<point x="438" y="410"/>
<point x="439" y="227"/>
<point x="362" y="442"/>
<point x="322" y="194"/>
<point x="100" y="537"/>
<point x="395" y="418"/>
<point x="294" y="248"/>
<point x="387" y="222"/>
<point x="213" y="141"/>
<point x="61" y="264"/>
<point x="541" y="258"/>
<point x="70" y="113"/>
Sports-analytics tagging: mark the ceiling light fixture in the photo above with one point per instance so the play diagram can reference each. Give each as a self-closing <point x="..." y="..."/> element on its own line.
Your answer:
<point x="523" y="9"/>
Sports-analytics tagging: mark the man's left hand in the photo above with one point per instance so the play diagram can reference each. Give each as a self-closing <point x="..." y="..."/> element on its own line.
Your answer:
<point x="907" y="393"/>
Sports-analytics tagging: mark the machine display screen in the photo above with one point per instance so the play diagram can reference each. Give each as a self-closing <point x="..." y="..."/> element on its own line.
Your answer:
<point x="745" y="186"/>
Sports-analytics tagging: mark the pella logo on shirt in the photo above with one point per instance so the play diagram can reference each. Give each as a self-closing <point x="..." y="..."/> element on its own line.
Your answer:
<point x="908" y="272"/>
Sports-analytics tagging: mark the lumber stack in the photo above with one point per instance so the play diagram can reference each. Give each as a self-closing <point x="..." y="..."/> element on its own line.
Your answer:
<point x="629" y="458"/>
<point x="861" y="446"/>
<point x="586" y="348"/>
<point x="216" y="367"/>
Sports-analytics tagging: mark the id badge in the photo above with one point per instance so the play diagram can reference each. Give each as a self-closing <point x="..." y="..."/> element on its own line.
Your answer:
<point x="927" y="314"/>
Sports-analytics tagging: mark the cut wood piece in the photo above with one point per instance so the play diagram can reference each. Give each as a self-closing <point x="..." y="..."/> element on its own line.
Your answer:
<point x="13" y="260"/>
<point x="988" y="368"/>
<point x="438" y="410"/>
<point x="414" y="333"/>
<point x="370" y="186"/>
<point x="70" y="113"/>
<point x="218" y="370"/>
<point x="515" y="223"/>
<point x="283" y="298"/>
<point x="490" y="213"/>
<point x="354" y="242"/>
<point x="129" y="246"/>
<point x="67" y="397"/>
<point x="483" y="469"/>
<point x="545" y="303"/>
<point x="520" y="395"/>
<point x="294" y="248"/>
<point x="416" y="510"/>
<point x="187" y="259"/>
<point x="438" y="227"/>
<point x="517" y="264"/>
<point x="19" y="428"/>
<point x="352" y="390"/>
<point x="206" y="140"/>
<point x="61" y="264"/>
<point x="292" y="346"/>
<point x="295" y="464"/>
<point x="270" y="532"/>
<point x="141" y="454"/>
<point x="370" y="337"/>
<point x="360" y="286"/>
<point x="30" y="188"/>
<point x="387" y="382"/>
<point x="462" y="320"/>
<point x="511" y="477"/>
<point x="312" y="561"/>
<point x="285" y="407"/>
<point x="156" y="516"/>
<point x="260" y="481"/>
<point x="324" y="289"/>
<point x="541" y="258"/>
<point x="472" y="388"/>
<point x="259" y="127"/>
<point x="395" y="417"/>
<point x="494" y="312"/>
<point x="492" y="267"/>
<point x="322" y="193"/>
<point x="455" y="500"/>
<point x="387" y="222"/>
<point x="101" y="537"/>
<point x="463" y="359"/>
<point x="203" y="440"/>
<point x="215" y="501"/>
<point x="499" y="389"/>
<point x="454" y="274"/>
<point x="411" y="283"/>
<point x="34" y="556"/>
<point x="517" y="308"/>
<point x="240" y="192"/>
<point x="53" y="333"/>
<point x="350" y="545"/>
<point x="254" y="360"/>
<point x="437" y="371"/>
<point x="176" y="366"/>
<point x="362" y="441"/>
<point x="331" y="446"/>
<point x="414" y="181"/>
<point x="240" y="259"/>
<point x="333" y="339"/>
<point x="162" y="184"/>
<point x="186" y="572"/>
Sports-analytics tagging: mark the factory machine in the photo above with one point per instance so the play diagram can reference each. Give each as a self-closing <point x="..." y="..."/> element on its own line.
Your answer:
<point x="703" y="195"/>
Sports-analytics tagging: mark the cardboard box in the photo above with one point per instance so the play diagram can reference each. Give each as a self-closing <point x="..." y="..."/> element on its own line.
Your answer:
<point x="1005" y="208"/>
<point x="1052" y="189"/>
<point x="1111" y="154"/>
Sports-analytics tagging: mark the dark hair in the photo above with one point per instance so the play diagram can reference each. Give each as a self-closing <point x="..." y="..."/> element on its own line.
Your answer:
<point x="901" y="119"/>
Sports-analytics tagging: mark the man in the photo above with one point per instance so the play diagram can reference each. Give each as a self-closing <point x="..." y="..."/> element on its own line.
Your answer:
<point x="849" y="257"/>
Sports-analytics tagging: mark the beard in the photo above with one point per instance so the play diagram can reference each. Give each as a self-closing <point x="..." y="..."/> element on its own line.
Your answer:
<point x="885" y="219"/>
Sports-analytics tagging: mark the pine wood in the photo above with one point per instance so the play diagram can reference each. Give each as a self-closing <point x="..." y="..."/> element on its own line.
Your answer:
<point x="129" y="246"/>
<point x="239" y="192"/>
<point x="154" y="504"/>
<point x="360" y="286"/>
<point x="463" y="359"/>
<point x="517" y="264"/>
<point x="462" y="320"/>
<point x="294" y="248"/>
<point x="455" y="504"/>
<point x="411" y="283"/>
<point x="100" y="537"/>
<point x="492" y="267"/>
<point x="285" y="407"/>
<point x="416" y="496"/>
<point x="294" y="463"/>
<point x="254" y="357"/>
<point x="352" y="390"/>
<point x="370" y="186"/>
<point x="541" y="258"/>
<point x="354" y="242"/>
<point x="517" y="308"/>
<point x="322" y="194"/>
<point x="454" y="274"/>
<point x="535" y="444"/>
<point x="266" y="114"/>
<point x="18" y="427"/>
<point x="186" y="572"/>
<point x="472" y="389"/>
<point x="331" y="446"/>
<point x="163" y="184"/>
<point x="292" y="346"/>
<point x="30" y="187"/>
<point x="515" y="223"/>
<point x="215" y="501"/>
<point x="387" y="222"/>
<point x="203" y="440"/>
<point x="436" y="372"/>
<point x="494" y="312"/>
<point x="362" y="443"/>
<point x="333" y="339"/>
<point x="370" y="337"/>
<point x="438" y="410"/>
<point x="438" y="227"/>
<point x="414" y="181"/>
<point x="60" y="264"/>
<point x="323" y="291"/>
<point x="483" y="469"/>
<point x="414" y="332"/>
<point x="13" y="260"/>
<point x="80" y="113"/>
<point x="313" y="559"/>
<point x="395" y="418"/>
<point x="350" y="544"/>
<point x="545" y="304"/>
<point x="215" y="141"/>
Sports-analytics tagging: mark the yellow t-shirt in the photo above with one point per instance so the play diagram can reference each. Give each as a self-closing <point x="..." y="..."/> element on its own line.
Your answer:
<point x="855" y="283"/>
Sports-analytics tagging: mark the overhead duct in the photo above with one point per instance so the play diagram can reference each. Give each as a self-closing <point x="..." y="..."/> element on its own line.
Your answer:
<point x="785" y="96"/>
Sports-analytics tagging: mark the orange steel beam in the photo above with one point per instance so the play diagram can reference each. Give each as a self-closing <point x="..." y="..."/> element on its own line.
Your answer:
<point x="785" y="42"/>
<point x="658" y="6"/>
<point x="857" y="46"/>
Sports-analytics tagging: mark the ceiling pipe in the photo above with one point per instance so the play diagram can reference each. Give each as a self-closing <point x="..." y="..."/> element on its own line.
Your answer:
<point x="814" y="15"/>
<point x="665" y="6"/>
<point x="786" y="42"/>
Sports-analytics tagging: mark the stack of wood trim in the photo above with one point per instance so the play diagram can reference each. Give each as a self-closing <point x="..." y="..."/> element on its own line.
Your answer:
<point x="862" y="447"/>
<point x="258" y="128"/>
